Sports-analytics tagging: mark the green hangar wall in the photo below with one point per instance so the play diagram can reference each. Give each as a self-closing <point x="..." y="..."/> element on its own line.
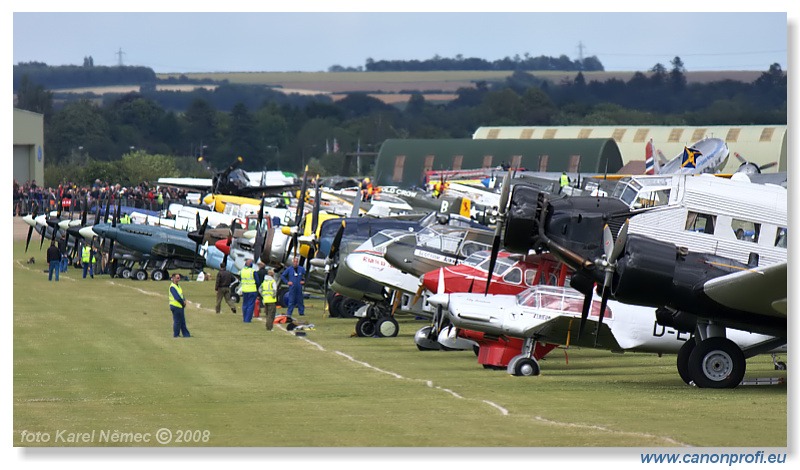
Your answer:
<point x="28" y="146"/>
<point x="758" y="144"/>
<point x="403" y="162"/>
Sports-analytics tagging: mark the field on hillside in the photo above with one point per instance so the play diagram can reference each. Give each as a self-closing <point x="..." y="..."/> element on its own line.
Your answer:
<point x="95" y="356"/>
<point x="390" y="87"/>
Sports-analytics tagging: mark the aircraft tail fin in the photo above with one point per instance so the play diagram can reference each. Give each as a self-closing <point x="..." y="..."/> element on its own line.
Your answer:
<point x="650" y="163"/>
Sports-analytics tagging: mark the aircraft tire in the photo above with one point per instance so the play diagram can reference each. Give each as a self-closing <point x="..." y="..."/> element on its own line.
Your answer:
<point x="717" y="363"/>
<point x="526" y="367"/>
<point x="235" y="297"/>
<point x="158" y="275"/>
<point x="348" y="307"/>
<point x="387" y="327"/>
<point x="335" y="306"/>
<point x="126" y="273"/>
<point x="139" y="275"/>
<point x="365" y="328"/>
<point x="683" y="360"/>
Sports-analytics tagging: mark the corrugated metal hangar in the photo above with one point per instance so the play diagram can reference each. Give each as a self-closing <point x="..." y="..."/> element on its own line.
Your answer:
<point x="405" y="161"/>
<point x="757" y="144"/>
<point x="28" y="146"/>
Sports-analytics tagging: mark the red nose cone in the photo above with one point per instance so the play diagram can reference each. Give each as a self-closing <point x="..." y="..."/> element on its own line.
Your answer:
<point x="222" y="245"/>
<point x="431" y="280"/>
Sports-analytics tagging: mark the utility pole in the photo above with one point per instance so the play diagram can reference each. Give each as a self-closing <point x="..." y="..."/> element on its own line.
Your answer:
<point x="119" y="55"/>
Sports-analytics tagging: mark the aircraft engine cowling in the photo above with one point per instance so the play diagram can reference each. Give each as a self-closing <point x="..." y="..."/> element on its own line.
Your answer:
<point x="680" y="321"/>
<point x="521" y="228"/>
<point x="645" y="272"/>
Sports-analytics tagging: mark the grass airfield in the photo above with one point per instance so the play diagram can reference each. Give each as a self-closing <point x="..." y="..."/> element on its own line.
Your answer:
<point x="98" y="355"/>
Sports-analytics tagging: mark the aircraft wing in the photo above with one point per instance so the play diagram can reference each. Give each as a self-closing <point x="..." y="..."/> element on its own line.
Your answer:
<point x="563" y="329"/>
<point x="760" y="290"/>
<point x="196" y="184"/>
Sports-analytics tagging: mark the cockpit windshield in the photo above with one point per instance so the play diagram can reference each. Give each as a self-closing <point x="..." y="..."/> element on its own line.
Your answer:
<point x="638" y="193"/>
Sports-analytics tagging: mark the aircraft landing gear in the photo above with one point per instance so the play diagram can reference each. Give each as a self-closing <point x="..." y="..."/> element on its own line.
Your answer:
<point x="525" y="364"/>
<point x="683" y="360"/>
<point x="425" y="341"/>
<point x="376" y="320"/>
<point x="717" y="362"/>
<point x="779" y="365"/>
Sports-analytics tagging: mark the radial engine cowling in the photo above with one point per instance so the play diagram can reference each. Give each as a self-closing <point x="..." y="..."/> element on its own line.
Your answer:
<point x="645" y="272"/>
<point x="521" y="229"/>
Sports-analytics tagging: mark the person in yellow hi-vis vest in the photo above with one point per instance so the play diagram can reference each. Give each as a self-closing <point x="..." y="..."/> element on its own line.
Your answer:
<point x="268" y="297"/>
<point x="177" y="304"/>
<point x="87" y="260"/>
<point x="249" y="290"/>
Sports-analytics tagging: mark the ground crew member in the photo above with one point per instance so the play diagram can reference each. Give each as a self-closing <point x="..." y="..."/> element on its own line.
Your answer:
<point x="87" y="259"/>
<point x="268" y="297"/>
<point x="177" y="305"/>
<point x="249" y="290"/>
<point x="294" y="277"/>
<point x="564" y="179"/>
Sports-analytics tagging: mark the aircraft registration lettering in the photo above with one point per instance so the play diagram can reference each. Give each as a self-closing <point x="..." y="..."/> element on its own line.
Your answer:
<point x="660" y="330"/>
<point x="372" y="260"/>
<point x="434" y="256"/>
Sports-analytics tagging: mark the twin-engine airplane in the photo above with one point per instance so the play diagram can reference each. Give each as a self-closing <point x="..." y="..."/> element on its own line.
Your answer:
<point x="708" y="253"/>
<point x="704" y="156"/>
<point x="549" y="314"/>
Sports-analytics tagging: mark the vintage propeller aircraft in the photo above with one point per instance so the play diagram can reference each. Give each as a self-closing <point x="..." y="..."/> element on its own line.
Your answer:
<point x="236" y="182"/>
<point x="550" y="314"/>
<point x="165" y="247"/>
<point x="709" y="253"/>
<point x="708" y="155"/>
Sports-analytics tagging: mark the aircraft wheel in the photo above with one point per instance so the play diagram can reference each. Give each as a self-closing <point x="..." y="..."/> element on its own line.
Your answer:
<point x="335" y="306"/>
<point x="387" y="327"/>
<point x="526" y="367"/>
<point x="683" y="360"/>
<point x="119" y="271"/>
<point x="139" y="275"/>
<point x="348" y="307"/>
<point x="717" y="363"/>
<point x="283" y="296"/>
<point x="365" y="327"/>
<point x="126" y="273"/>
<point x="423" y="340"/>
<point x="235" y="297"/>
<point x="158" y="275"/>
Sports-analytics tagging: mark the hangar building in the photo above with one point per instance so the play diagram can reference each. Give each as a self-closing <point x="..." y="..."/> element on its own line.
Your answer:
<point x="28" y="146"/>
<point x="757" y="144"/>
<point x="403" y="162"/>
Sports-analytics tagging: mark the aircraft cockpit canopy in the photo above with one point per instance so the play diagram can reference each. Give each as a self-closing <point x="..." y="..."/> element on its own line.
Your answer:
<point x="642" y="193"/>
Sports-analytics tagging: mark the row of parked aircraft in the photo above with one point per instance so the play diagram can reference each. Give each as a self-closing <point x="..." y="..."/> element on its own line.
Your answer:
<point x="697" y="267"/>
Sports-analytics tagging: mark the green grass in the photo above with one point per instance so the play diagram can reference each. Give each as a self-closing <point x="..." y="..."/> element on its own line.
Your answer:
<point x="99" y="355"/>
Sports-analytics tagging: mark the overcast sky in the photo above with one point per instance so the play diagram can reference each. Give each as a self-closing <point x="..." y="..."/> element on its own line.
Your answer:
<point x="214" y="41"/>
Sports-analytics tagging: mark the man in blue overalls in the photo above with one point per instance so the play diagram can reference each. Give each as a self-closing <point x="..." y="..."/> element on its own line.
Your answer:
<point x="294" y="277"/>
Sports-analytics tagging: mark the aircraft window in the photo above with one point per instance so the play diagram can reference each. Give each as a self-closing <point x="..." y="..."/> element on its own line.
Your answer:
<point x="379" y="239"/>
<point x="471" y="247"/>
<point x="431" y="242"/>
<point x="780" y="239"/>
<point x="745" y="230"/>
<point x="651" y="198"/>
<point x="475" y="259"/>
<point x="530" y="276"/>
<point x="628" y="194"/>
<point x="501" y="265"/>
<point x="450" y="244"/>
<point x="528" y="298"/>
<point x="514" y="276"/>
<point x="702" y="223"/>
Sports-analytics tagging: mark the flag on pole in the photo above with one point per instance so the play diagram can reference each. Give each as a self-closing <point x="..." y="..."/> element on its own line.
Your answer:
<point x="335" y="146"/>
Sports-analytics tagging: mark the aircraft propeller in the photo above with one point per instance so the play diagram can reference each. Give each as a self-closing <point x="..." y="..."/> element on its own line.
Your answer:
<point x="329" y="260"/>
<point x="751" y="168"/>
<point x="30" y="219"/>
<point x="197" y="238"/>
<point x="298" y="215"/>
<point x="501" y="212"/>
<point x="607" y="263"/>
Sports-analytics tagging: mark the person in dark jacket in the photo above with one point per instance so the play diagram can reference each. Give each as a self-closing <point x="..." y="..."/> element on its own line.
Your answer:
<point x="223" y="288"/>
<point x="53" y="260"/>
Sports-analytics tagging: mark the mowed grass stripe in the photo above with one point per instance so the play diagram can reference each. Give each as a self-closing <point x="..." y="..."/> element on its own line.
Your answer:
<point x="99" y="354"/>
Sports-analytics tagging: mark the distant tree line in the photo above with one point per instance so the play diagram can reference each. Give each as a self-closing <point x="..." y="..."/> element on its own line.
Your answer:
<point x="87" y="75"/>
<point x="276" y="131"/>
<point x="459" y="62"/>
